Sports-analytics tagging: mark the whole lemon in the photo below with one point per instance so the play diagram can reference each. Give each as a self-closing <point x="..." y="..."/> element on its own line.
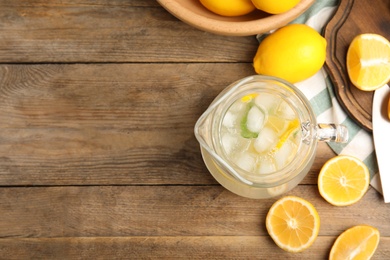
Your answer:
<point x="294" y="52"/>
<point x="229" y="7"/>
<point x="275" y="7"/>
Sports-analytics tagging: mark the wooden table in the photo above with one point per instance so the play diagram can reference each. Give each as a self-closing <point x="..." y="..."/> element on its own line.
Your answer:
<point x="98" y="159"/>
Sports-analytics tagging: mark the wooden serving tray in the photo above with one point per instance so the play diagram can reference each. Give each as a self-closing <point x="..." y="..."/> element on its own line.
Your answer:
<point x="354" y="17"/>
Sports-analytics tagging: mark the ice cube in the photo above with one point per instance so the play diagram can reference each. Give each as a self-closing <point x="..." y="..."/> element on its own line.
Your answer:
<point x="267" y="101"/>
<point x="242" y="143"/>
<point x="246" y="161"/>
<point x="229" y="120"/>
<point x="266" y="140"/>
<point x="267" y="165"/>
<point x="229" y="142"/>
<point x="255" y="119"/>
<point x="284" y="154"/>
<point x="237" y="106"/>
<point x="285" y="111"/>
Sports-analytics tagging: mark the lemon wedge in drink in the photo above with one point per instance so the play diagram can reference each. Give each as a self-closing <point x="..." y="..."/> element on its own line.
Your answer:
<point x="292" y="126"/>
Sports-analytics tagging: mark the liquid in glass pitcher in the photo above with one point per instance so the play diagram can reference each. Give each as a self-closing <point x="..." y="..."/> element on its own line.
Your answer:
<point x="259" y="136"/>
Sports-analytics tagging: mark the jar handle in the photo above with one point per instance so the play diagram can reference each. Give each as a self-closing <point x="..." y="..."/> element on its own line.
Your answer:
<point x="332" y="133"/>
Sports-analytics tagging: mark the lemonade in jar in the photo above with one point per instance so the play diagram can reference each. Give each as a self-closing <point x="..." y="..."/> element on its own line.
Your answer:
<point x="259" y="137"/>
<point x="260" y="133"/>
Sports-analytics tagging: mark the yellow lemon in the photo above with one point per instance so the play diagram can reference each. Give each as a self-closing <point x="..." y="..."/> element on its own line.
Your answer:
<point x="293" y="223"/>
<point x="368" y="61"/>
<point x="229" y="7"/>
<point x="275" y="7"/>
<point x="294" y="52"/>
<point x="343" y="180"/>
<point x="292" y="126"/>
<point x="358" y="242"/>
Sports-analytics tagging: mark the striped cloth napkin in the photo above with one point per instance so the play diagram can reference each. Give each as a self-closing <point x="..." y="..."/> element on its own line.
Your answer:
<point x="320" y="91"/>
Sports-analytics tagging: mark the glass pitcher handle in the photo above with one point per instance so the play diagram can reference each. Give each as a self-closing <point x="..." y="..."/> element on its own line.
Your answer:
<point x="332" y="133"/>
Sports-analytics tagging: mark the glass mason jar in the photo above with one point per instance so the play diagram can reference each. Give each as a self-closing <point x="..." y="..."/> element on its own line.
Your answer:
<point x="259" y="136"/>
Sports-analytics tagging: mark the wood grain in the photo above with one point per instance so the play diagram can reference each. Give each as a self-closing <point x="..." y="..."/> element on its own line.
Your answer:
<point x="194" y="247"/>
<point x="108" y="31"/>
<point x="352" y="18"/>
<point x="98" y="159"/>
<point x="136" y="222"/>
<point x="63" y="124"/>
<point x="122" y="211"/>
<point x="106" y="124"/>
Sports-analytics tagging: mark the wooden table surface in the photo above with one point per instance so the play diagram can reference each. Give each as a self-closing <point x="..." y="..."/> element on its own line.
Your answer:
<point x="98" y="159"/>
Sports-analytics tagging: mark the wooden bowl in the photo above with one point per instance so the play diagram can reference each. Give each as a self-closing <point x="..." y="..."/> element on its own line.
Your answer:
<point x="195" y="14"/>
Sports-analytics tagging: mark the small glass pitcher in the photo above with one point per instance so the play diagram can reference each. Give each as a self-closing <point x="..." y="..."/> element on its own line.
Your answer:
<point x="259" y="136"/>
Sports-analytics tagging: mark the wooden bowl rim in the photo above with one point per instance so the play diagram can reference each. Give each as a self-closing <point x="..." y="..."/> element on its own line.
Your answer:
<point x="231" y="26"/>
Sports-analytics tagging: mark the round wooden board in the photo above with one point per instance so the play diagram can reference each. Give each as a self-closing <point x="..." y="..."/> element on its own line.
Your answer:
<point x="354" y="17"/>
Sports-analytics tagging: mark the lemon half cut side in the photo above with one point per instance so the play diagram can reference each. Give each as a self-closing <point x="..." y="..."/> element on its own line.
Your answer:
<point x="293" y="223"/>
<point x="368" y="61"/>
<point x="358" y="242"/>
<point x="343" y="180"/>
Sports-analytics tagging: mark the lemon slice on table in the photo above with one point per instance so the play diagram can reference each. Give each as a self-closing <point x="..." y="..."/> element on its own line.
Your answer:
<point x="368" y="61"/>
<point x="358" y="242"/>
<point x="343" y="180"/>
<point x="293" y="223"/>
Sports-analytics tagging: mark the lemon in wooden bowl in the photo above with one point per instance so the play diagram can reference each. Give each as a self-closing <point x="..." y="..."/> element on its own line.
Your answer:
<point x="194" y="13"/>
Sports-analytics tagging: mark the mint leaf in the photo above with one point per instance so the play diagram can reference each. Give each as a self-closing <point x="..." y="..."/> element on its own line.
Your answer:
<point x="243" y="124"/>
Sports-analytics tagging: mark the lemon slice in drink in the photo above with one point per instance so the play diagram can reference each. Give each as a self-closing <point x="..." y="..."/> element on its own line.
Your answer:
<point x="292" y="126"/>
<point x="277" y="123"/>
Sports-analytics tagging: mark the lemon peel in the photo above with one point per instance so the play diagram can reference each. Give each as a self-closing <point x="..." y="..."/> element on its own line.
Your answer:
<point x="294" y="53"/>
<point x="229" y="7"/>
<point x="275" y="7"/>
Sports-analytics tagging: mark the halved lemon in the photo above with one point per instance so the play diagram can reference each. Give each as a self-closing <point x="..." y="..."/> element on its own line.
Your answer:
<point x="358" y="242"/>
<point x="368" y="61"/>
<point x="343" y="180"/>
<point x="293" y="223"/>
